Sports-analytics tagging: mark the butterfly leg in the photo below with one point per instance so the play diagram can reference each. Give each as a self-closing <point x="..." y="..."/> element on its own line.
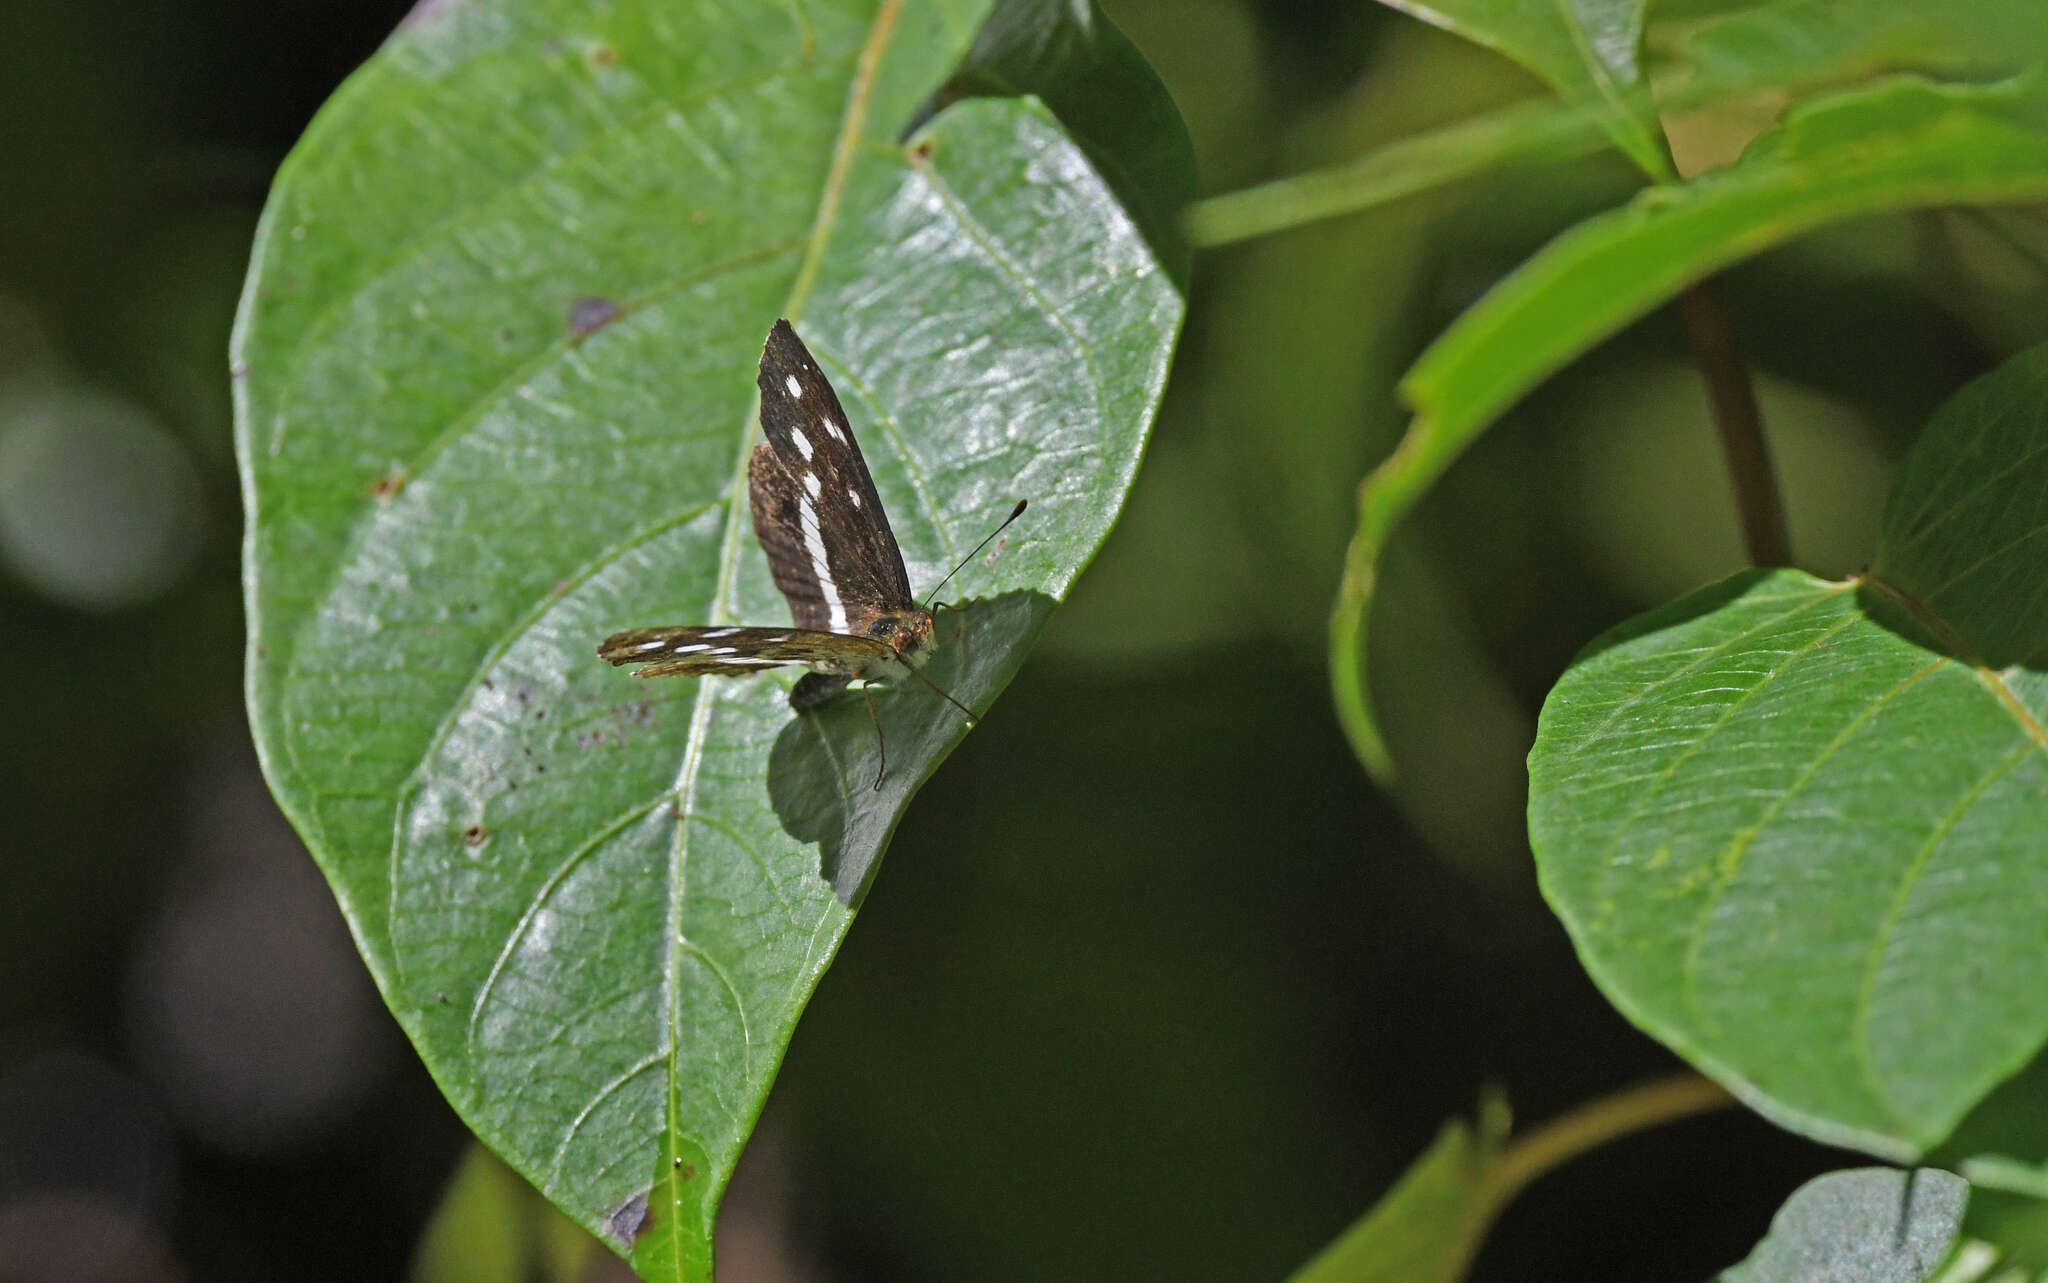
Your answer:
<point x="867" y="694"/>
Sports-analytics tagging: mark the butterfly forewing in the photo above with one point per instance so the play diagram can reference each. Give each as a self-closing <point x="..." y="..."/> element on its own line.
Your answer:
<point x="857" y="569"/>
<point x="736" y="652"/>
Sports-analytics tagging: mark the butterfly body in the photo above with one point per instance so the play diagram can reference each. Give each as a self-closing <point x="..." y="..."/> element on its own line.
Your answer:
<point x="829" y="546"/>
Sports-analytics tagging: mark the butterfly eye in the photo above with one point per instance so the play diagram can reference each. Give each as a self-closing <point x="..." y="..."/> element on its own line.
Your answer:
<point x="883" y="626"/>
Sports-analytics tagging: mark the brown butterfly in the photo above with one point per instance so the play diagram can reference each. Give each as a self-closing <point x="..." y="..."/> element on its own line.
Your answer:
<point x="828" y="542"/>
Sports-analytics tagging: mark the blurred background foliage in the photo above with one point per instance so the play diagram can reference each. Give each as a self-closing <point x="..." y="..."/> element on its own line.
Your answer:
<point x="1155" y="984"/>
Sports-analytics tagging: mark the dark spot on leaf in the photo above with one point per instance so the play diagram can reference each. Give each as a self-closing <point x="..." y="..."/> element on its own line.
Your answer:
<point x="474" y="607"/>
<point x="489" y="685"/>
<point x="440" y="996"/>
<point x="540" y="714"/>
<point x="675" y="809"/>
<point x="387" y="485"/>
<point x="561" y="586"/>
<point x="262" y="651"/>
<point x="921" y="151"/>
<point x="591" y="313"/>
<point x="604" y="55"/>
<point x="474" y="835"/>
<point x="628" y="1221"/>
<point x="539" y="768"/>
<point x="689" y="1170"/>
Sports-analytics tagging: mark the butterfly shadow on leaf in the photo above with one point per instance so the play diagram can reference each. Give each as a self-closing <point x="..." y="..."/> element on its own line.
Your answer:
<point x="822" y="769"/>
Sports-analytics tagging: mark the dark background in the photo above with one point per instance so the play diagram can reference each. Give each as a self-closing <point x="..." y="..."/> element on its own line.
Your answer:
<point x="1155" y="983"/>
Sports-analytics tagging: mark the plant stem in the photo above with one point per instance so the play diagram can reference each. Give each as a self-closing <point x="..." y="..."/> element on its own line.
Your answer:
<point x="1588" y="1127"/>
<point x="1733" y="397"/>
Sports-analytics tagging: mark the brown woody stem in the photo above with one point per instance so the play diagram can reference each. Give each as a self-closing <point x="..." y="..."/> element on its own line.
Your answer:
<point x="1733" y="397"/>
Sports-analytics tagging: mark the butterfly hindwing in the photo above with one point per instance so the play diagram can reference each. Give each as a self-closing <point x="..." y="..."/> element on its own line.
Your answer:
<point x="857" y="565"/>
<point x="778" y="524"/>
<point x="736" y="652"/>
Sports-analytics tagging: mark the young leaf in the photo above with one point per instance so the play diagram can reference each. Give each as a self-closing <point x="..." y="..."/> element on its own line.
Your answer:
<point x="495" y="395"/>
<point x="491" y="1227"/>
<point x="1794" y="827"/>
<point x="1901" y="144"/>
<point x="1428" y="1226"/>
<point x="1869" y="1225"/>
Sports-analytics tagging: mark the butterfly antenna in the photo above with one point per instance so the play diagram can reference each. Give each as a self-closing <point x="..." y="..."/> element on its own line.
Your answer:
<point x="1015" y="513"/>
<point x="882" y="745"/>
<point x="965" y="711"/>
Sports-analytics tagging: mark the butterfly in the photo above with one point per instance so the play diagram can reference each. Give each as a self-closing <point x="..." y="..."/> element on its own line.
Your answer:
<point x="829" y="547"/>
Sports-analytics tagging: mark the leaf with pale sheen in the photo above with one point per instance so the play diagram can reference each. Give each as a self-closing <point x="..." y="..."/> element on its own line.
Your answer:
<point x="1903" y="144"/>
<point x="1589" y="50"/>
<point x="1794" y="827"/>
<point x="1869" y="1225"/>
<point x="495" y="393"/>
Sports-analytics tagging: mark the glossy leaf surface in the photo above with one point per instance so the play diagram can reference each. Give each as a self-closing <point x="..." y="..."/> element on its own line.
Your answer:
<point x="495" y="396"/>
<point x="1794" y="827"/>
<point x="1871" y="1225"/>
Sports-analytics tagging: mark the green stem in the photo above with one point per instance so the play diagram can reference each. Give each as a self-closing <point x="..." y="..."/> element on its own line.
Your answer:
<point x="1588" y="1127"/>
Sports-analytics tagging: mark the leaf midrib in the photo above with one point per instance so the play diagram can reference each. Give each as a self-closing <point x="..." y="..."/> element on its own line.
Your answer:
<point x="866" y="67"/>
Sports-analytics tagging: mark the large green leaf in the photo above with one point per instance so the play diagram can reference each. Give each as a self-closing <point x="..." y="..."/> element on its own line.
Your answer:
<point x="1870" y="1225"/>
<point x="1590" y="50"/>
<point x="1902" y="144"/>
<point x="1794" y="827"/>
<point x="495" y="396"/>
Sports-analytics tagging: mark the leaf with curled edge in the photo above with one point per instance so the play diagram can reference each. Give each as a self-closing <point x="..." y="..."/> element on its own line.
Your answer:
<point x="1900" y="144"/>
<point x="1794" y="827"/>
<point x="494" y="401"/>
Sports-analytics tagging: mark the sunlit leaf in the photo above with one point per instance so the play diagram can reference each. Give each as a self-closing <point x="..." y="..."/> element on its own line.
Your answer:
<point x="1902" y="144"/>
<point x="1794" y="826"/>
<point x="495" y="393"/>
<point x="1870" y="1225"/>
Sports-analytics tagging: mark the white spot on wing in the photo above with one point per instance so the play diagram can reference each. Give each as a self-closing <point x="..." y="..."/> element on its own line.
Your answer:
<point x="834" y="431"/>
<point x="656" y="644"/>
<point x="724" y="650"/>
<point x="821" y="566"/>
<point x="812" y="484"/>
<point x="854" y="495"/>
<point x="803" y="443"/>
<point x="718" y="632"/>
<point x="795" y="389"/>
